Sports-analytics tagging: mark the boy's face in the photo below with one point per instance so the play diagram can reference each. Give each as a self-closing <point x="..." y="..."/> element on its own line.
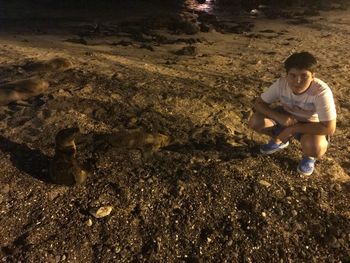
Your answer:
<point x="299" y="80"/>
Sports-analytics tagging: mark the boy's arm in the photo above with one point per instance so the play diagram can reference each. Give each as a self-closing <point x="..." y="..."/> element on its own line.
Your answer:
<point x="282" y="118"/>
<point x="316" y="128"/>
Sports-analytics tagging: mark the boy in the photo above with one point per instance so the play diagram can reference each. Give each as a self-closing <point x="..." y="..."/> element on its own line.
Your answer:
<point x="306" y="112"/>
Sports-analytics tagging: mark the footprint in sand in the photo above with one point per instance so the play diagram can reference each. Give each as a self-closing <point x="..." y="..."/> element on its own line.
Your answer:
<point x="21" y="90"/>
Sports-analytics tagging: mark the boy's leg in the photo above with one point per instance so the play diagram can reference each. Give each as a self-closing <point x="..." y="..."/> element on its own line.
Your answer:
<point x="264" y="125"/>
<point x="261" y="124"/>
<point x="313" y="146"/>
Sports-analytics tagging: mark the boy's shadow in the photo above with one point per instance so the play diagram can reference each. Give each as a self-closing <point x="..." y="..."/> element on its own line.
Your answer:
<point x="32" y="162"/>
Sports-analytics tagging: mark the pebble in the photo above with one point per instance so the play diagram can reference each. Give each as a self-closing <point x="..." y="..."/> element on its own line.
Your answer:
<point x="101" y="212"/>
<point x="263" y="214"/>
<point x="294" y="213"/>
<point x="89" y="222"/>
<point x="303" y="188"/>
<point x="117" y="249"/>
<point x="264" y="183"/>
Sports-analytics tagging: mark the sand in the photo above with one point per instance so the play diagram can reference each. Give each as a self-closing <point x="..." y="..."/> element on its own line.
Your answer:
<point x="208" y="198"/>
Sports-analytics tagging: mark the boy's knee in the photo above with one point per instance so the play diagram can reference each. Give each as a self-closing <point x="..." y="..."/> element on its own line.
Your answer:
<point x="254" y="122"/>
<point x="314" y="146"/>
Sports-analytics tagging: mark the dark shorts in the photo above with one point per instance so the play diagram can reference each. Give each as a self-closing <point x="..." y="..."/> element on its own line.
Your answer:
<point x="279" y="128"/>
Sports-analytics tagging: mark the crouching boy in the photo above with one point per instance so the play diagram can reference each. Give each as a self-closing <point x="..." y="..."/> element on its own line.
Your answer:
<point x="305" y="110"/>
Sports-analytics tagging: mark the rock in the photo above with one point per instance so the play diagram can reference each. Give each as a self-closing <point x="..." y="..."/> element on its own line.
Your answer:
<point x="117" y="249"/>
<point x="101" y="212"/>
<point x="264" y="183"/>
<point x="89" y="222"/>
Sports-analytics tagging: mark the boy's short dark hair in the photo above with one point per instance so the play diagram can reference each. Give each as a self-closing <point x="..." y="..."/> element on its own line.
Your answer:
<point x="302" y="60"/>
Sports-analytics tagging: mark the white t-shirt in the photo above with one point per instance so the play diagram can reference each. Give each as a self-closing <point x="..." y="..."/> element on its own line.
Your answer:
<point x="314" y="105"/>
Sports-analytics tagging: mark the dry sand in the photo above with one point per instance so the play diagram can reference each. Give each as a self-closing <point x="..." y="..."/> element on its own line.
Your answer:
<point x="210" y="197"/>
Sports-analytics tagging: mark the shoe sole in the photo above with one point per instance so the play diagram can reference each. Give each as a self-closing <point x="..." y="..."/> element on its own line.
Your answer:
<point x="303" y="173"/>
<point x="275" y="150"/>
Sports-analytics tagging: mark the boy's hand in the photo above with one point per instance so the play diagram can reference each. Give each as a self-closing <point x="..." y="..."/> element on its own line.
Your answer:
<point x="287" y="120"/>
<point x="285" y="135"/>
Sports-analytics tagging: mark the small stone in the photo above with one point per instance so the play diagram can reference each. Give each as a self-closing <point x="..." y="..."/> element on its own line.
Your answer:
<point x="263" y="214"/>
<point x="63" y="258"/>
<point x="294" y="213"/>
<point x="304" y="188"/>
<point x="89" y="222"/>
<point x="264" y="183"/>
<point x="101" y="212"/>
<point x="117" y="249"/>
